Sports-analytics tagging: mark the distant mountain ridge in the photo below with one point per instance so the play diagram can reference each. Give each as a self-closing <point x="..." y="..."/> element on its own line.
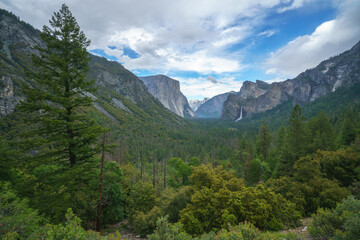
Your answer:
<point x="212" y="108"/>
<point x="167" y="91"/>
<point x="195" y="103"/>
<point x="342" y="70"/>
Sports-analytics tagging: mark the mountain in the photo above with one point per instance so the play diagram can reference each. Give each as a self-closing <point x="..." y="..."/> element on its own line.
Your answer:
<point x="212" y="108"/>
<point x="341" y="71"/>
<point x="195" y="103"/>
<point x="167" y="91"/>
<point x="121" y="97"/>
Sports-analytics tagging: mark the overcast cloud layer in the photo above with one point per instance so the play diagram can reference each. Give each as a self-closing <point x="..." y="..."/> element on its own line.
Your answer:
<point x="172" y="37"/>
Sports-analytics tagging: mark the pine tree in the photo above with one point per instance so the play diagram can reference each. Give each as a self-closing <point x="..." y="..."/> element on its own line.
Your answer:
<point x="348" y="133"/>
<point x="263" y="141"/>
<point x="322" y="133"/>
<point x="295" y="142"/>
<point x="61" y="93"/>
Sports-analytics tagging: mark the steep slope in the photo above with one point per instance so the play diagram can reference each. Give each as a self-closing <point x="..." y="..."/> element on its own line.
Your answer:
<point x="167" y="91"/>
<point x="195" y="103"/>
<point x="121" y="96"/>
<point x="212" y="108"/>
<point x="339" y="71"/>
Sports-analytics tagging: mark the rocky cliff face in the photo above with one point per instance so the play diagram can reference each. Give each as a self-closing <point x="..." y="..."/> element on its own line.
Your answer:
<point x="339" y="71"/>
<point x="167" y="91"/>
<point x="212" y="108"/>
<point x="195" y="104"/>
<point x="118" y="88"/>
<point x="8" y="99"/>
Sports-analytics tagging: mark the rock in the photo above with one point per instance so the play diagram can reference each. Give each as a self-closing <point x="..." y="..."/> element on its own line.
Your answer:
<point x="339" y="71"/>
<point x="195" y="104"/>
<point x="8" y="99"/>
<point x="212" y="108"/>
<point x="167" y="91"/>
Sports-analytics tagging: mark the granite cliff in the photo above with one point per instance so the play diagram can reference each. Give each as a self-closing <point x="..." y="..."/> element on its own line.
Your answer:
<point x="342" y="70"/>
<point x="212" y="108"/>
<point x="167" y="91"/>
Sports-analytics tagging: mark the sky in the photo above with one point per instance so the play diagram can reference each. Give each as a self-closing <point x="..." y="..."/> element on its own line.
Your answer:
<point x="210" y="46"/>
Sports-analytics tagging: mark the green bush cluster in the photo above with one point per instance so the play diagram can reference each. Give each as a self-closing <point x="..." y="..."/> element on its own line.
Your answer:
<point x="341" y="223"/>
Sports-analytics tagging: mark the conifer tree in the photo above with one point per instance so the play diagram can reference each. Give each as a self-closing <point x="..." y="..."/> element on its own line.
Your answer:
<point x="295" y="142"/>
<point x="61" y="93"/>
<point x="263" y="141"/>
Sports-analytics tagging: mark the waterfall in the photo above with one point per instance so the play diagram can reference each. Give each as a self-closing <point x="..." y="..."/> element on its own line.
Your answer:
<point x="240" y="117"/>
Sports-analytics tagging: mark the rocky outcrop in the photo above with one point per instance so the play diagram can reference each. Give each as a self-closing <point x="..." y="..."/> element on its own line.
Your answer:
<point x="167" y="91"/>
<point x="195" y="103"/>
<point x="339" y="71"/>
<point x="212" y="108"/>
<point x="253" y="90"/>
<point x="8" y="99"/>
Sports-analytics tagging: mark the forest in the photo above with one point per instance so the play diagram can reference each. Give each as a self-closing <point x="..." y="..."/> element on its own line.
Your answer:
<point x="66" y="172"/>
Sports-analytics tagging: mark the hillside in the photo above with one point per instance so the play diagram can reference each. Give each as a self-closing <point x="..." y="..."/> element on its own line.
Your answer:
<point x="121" y="97"/>
<point x="341" y="71"/>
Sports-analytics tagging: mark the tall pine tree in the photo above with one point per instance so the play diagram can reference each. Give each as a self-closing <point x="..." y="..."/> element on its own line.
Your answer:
<point x="295" y="142"/>
<point x="66" y="134"/>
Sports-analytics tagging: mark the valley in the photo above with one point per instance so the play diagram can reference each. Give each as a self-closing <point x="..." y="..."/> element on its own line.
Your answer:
<point x="109" y="148"/>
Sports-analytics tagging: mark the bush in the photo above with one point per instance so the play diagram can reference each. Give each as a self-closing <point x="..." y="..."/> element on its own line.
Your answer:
<point x="17" y="219"/>
<point x="340" y="223"/>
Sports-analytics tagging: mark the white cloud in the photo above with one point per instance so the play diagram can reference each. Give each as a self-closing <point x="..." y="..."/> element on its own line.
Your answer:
<point x="168" y="35"/>
<point x="267" y="33"/>
<point x="199" y="88"/>
<point x="294" y="4"/>
<point x="328" y="39"/>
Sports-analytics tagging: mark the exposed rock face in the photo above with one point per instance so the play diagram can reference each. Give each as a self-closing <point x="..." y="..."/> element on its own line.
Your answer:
<point x="8" y="99"/>
<point x="195" y="104"/>
<point x="253" y="90"/>
<point x="167" y="91"/>
<point x="212" y="108"/>
<point x="339" y="71"/>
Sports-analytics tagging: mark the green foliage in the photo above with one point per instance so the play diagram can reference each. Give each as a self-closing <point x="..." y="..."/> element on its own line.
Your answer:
<point x="113" y="209"/>
<point x="295" y="143"/>
<point x="258" y="171"/>
<point x="179" y="172"/>
<point x="177" y="202"/>
<point x="308" y="189"/>
<point x="221" y="199"/>
<point x="166" y="231"/>
<point x="321" y="133"/>
<point x="263" y="141"/>
<point x="342" y="165"/>
<point x="57" y="101"/>
<point x="348" y="133"/>
<point x="340" y="223"/>
<point x="17" y="219"/>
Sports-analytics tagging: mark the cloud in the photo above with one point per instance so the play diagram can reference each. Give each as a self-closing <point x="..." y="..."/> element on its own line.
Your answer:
<point x="199" y="88"/>
<point x="293" y="5"/>
<point x="212" y="79"/>
<point x="330" y="38"/>
<point x="267" y="33"/>
<point x="167" y="35"/>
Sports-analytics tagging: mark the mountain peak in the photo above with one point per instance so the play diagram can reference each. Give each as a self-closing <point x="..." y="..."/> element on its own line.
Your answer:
<point x="167" y="91"/>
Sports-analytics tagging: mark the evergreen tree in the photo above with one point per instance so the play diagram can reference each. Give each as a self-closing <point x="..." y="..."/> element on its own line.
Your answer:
<point x="66" y="133"/>
<point x="295" y="142"/>
<point x="263" y="141"/>
<point x="321" y="133"/>
<point x="348" y="131"/>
